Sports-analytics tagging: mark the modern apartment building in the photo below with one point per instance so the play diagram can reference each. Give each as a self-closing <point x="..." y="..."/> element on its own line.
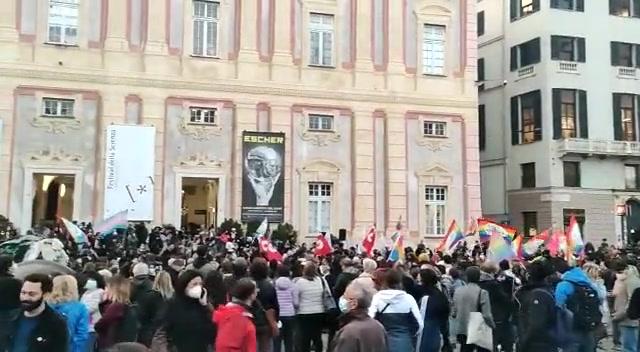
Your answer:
<point x="376" y="100"/>
<point x="559" y="91"/>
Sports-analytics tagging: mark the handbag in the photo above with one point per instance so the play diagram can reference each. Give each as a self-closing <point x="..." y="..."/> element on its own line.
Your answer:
<point x="327" y="298"/>
<point x="478" y="332"/>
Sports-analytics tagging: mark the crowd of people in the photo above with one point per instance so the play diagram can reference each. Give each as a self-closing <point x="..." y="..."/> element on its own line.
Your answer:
<point x="169" y="291"/>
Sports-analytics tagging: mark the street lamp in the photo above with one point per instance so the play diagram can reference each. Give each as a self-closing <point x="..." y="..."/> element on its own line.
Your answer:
<point x="621" y="211"/>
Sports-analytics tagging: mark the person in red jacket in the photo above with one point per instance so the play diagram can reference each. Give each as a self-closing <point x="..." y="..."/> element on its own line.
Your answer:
<point x="236" y="330"/>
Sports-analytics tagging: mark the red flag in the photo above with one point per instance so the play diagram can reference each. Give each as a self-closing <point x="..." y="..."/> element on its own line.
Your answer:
<point x="270" y="252"/>
<point x="369" y="241"/>
<point x="322" y="246"/>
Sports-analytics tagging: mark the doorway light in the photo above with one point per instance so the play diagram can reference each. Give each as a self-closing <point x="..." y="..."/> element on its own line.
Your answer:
<point x="46" y="181"/>
<point x="63" y="190"/>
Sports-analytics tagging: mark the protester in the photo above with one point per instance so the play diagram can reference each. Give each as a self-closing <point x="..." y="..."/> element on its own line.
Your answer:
<point x="236" y="331"/>
<point x="113" y="327"/>
<point x="65" y="301"/>
<point x="266" y="309"/>
<point x="468" y="299"/>
<point x="627" y="281"/>
<point x="285" y="292"/>
<point x="308" y="299"/>
<point x="502" y="305"/>
<point x="153" y="306"/>
<point x="369" y="267"/>
<point x="141" y="282"/>
<point x="92" y="298"/>
<point x="434" y="310"/>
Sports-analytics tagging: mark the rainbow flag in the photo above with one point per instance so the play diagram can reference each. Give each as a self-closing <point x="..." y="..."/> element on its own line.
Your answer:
<point x="557" y="243"/>
<point x="486" y="229"/>
<point x="499" y="248"/>
<point x="78" y="235"/>
<point x="453" y="236"/>
<point x="397" y="253"/>
<point x="516" y="245"/>
<point x="575" y="243"/>
<point x="532" y="245"/>
<point x="110" y="224"/>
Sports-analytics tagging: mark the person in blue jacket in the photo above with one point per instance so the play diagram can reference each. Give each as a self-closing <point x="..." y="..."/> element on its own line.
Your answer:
<point x="565" y="296"/>
<point x="64" y="300"/>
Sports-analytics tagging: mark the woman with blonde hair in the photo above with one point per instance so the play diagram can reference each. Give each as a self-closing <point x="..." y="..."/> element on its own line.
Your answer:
<point x="64" y="299"/>
<point x="115" y="324"/>
<point x="152" y="306"/>
<point x="593" y="272"/>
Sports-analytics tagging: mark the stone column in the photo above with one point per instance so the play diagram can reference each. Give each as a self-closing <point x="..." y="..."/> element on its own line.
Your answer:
<point x="364" y="61"/>
<point x="248" y="35"/>
<point x="157" y="28"/>
<point x="8" y="32"/>
<point x="397" y="169"/>
<point x="7" y="107"/>
<point x="281" y="122"/>
<point x="282" y="41"/>
<point x="153" y="109"/>
<point x="363" y="148"/>
<point x="245" y="119"/>
<point x="396" y="43"/>
<point x="116" y="39"/>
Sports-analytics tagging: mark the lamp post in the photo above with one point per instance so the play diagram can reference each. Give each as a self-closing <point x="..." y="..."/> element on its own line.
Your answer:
<point x="621" y="211"/>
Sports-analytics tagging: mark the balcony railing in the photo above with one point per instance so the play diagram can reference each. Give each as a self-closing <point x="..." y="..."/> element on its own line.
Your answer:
<point x="598" y="147"/>
<point x="568" y="67"/>
<point x="525" y="72"/>
<point x="627" y="72"/>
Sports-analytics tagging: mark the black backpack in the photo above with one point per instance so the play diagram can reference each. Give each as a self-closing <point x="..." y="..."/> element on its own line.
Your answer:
<point x="130" y="325"/>
<point x="585" y="306"/>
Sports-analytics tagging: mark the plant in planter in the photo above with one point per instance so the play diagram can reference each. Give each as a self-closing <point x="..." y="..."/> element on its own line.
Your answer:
<point x="229" y="224"/>
<point x="284" y="232"/>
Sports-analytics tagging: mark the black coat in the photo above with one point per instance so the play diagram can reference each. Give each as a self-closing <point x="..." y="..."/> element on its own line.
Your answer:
<point x="48" y="336"/>
<point x="536" y="317"/>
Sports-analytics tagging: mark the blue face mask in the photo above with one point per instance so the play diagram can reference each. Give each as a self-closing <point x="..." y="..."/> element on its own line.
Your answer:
<point x="342" y="304"/>
<point x="91" y="285"/>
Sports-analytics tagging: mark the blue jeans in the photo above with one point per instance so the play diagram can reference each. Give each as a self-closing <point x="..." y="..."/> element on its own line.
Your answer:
<point x="629" y="338"/>
<point x="584" y="342"/>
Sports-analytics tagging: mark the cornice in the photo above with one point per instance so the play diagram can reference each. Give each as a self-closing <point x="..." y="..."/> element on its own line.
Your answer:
<point x="234" y="86"/>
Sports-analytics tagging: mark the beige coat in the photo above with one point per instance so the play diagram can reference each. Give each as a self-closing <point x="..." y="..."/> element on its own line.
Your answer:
<point x="359" y="333"/>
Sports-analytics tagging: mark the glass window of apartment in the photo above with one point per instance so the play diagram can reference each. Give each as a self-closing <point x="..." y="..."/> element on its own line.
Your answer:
<point x="568" y="114"/>
<point x="319" y="216"/>
<point x="564" y="48"/>
<point x="433" y="49"/>
<point x="624" y="8"/>
<point x="631" y="180"/>
<point x="203" y="116"/>
<point x="52" y="107"/>
<point x="321" y="37"/>
<point x="521" y="8"/>
<point x="435" y="198"/>
<point x="622" y="54"/>
<point x="434" y="129"/>
<point x="205" y="28"/>
<point x="627" y="110"/>
<point x="528" y="179"/>
<point x="572" y="5"/>
<point x="528" y="118"/>
<point x="580" y="216"/>
<point x="529" y="223"/>
<point x="482" y="129"/>
<point x="525" y="54"/>
<point x="571" y="172"/>
<point x="63" y="22"/>
<point x="480" y="23"/>
<point x="320" y="123"/>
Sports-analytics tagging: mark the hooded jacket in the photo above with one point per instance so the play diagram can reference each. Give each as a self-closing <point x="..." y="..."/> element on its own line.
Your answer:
<point x="284" y="292"/>
<point x="536" y="317"/>
<point x="399" y="314"/>
<point x="76" y="315"/>
<point x="623" y="289"/>
<point x="565" y="288"/>
<point x="140" y="286"/>
<point x="236" y="331"/>
<point x="502" y="305"/>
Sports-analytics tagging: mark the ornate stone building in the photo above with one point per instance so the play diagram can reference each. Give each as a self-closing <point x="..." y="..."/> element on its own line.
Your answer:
<point x="377" y="99"/>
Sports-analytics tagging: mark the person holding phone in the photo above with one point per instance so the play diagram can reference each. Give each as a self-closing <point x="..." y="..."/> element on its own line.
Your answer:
<point x="188" y="324"/>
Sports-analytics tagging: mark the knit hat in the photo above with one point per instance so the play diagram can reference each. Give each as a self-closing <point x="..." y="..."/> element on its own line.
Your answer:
<point x="140" y="269"/>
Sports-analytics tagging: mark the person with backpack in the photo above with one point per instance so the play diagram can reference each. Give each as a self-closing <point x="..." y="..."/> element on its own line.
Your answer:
<point x="119" y="318"/>
<point x="580" y="296"/>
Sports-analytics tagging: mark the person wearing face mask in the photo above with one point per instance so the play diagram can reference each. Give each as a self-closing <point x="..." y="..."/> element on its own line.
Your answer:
<point x="39" y="328"/>
<point x="188" y="324"/>
<point x="236" y="329"/>
<point x="92" y="297"/>
<point x="358" y="331"/>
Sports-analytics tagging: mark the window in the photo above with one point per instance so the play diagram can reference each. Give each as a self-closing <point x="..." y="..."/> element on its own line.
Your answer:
<point x="63" y="22"/>
<point x="624" y="8"/>
<point x="521" y="8"/>
<point x="203" y="116"/>
<point x="320" y="123"/>
<point x="568" y="48"/>
<point x="482" y="138"/>
<point x="321" y="37"/>
<point x="435" y="208"/>
<point x="528" y="171"/>
<point x="320" y="197"/>
<point x="625" y="116"/>
<point x="631" y="179"/>
<point x="525" y="54"/>
<point x="571" y="171"/>
<point x="57" y="107"/>
<point x="570" y="119"/>
<point x="526" y="118"/>
<point x="625" y="54"/>
<point x="481" y="77"/>
<point x="572" y="5"/>
<point x="580" y="218"/>
<point x="434" y="129"/>
<point x="205" y="28"/>
<point x="433" y="49"/>
<point x="480" y="23"/>
<point x="530" y="222"/>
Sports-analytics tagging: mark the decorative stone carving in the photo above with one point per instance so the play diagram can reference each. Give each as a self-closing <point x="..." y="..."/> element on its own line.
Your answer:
<point x="201" y="160"/>
<point x="434" y="144"/>
<point x="434" y="175"/>
<point x="320" y="139"/>
<point x="199" y="132"/>
<point x="56" y="125"/>
<point x="55" y="155"/>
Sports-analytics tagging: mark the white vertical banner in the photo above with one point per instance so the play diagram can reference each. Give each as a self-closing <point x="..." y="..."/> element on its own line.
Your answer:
<point x="129" y="170"/>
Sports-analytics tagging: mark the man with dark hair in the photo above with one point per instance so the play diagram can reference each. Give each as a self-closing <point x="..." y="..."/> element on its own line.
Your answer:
<point x="38" y="328"/>
<point x="468" y="299"/>
<point x="236" y="330"/>
<point x="537" y="313"/>
<point x="266" y="309"/>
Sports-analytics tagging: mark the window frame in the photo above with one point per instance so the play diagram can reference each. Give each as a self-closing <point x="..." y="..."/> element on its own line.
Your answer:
<point x="581" y="218"/>
<point x="435" y="222"/>
<point x="632" y="11"/>
<point x="430" y="44"/>
<point x="320" y="200"/>
<point x="529" y="222"/>
<point x="575" y="5"/>
<point x="519" y="7"/>
<point x="482" y="129"/>
<point x="434" y="127"/>
<point x="635" y="177"/>
<point x="202" y="112"/>
<point x="571" y="174"/>
<point x="527" y="119"/>
<point x="312" y="118"/>
<point x="63" y="9"/>
<point x="528" y="175"/>
<point x="565" y="118"/>
<point x="58" y="107"/>
<point x="480" y="23"/>
<point x="618" y="55"/>
<point x="206" y="21"/>
<point x="321" y="29"/>
<point x="628" y="120"/>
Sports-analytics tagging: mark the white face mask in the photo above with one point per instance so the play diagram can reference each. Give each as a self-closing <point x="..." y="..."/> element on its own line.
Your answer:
<point x="194" y="292"/>
<point x="91" y="285"/>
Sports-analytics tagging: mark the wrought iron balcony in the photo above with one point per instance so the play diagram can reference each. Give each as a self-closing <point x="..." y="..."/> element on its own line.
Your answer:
<point x="598" y="147"/>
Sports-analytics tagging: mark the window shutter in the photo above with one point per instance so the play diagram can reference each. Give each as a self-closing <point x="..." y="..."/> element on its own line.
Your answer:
<point x="514" y="58"/>
<point x="617" y="117"/>
<point x="582" y="47"/>
<point x="480" y="23"/>
<point x="535" y="56"/>
<point x="580" y="5"/>
<point x="515" y="121"/>
<point x="636" y="8"/>
<point x="554" y="4"/>
<point x="537" y="110"/>
<point x="482" y="138"/>
<point x="557" y="112"/>
<point x="536" y="5"/>
<point x="614" y="54"/>
<point x="514" y="10"/>
<point x="481" y="70"/>
<point x="555" y="47"/>
<point x="583" y="118"/>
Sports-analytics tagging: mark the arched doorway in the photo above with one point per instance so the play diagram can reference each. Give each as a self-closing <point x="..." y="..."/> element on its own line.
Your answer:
<point x="633" y="220"/>
<point x="53" y="198"/>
